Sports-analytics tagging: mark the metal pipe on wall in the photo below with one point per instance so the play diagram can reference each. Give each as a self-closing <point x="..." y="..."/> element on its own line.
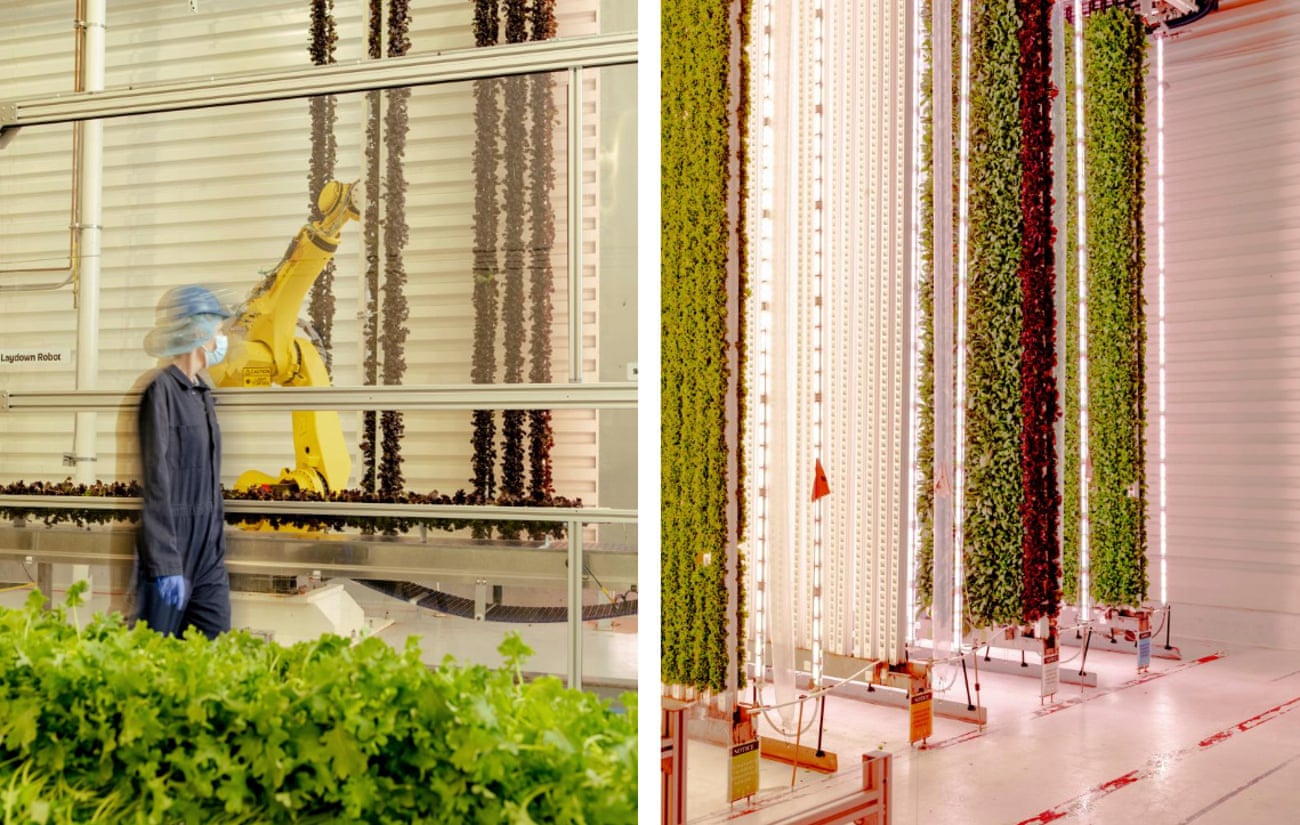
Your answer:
<point x="68" y="272"/>
<point x="574" y="248"/>
<point x="92" y="23"/>
<point x="452" y="66"/>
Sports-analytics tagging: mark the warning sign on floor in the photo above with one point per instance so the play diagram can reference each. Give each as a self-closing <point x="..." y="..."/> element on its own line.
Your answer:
<point x="742" y="770"/>
<point x="1051" y="672"/>
<point x="921" y="718"/>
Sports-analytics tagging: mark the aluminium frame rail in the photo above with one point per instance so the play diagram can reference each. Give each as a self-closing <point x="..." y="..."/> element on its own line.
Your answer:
<point x="452" y="66"/>
<point x="604" y="395"/>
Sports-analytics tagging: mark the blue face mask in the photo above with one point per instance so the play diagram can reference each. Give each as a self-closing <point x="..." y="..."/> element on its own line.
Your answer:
<point x="216" y="356"/>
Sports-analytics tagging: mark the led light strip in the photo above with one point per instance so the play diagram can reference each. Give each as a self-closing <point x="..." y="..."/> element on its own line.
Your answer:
<point x="1081" y="206"/>
<point x="1160" y="269"/>
<point x="818" y="240"/>
<point x="963" y="254"/>
<point x="763" y="302"/>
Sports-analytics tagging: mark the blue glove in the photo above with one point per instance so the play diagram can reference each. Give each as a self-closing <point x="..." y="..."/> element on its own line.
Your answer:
<point x="171" y="589"/>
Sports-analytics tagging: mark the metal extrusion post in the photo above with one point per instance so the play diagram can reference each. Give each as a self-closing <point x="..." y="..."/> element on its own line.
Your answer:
<point x="575" y="604"/>
<point x="821" y="723"/>
<point x="798" y="732"/>
<point x="451" y="559"/>
<point x="672" y="760"/>
<point x="574" y="195"/>
<point x="594" y="515"/>
<point x="966" y="678"/>
<point x="90" y="188"/>
<point x="453" y="66"/>
<point x="607" y="395"/>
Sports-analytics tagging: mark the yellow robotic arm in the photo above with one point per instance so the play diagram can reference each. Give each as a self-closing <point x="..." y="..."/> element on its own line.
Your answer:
<point x="266" y="349"/>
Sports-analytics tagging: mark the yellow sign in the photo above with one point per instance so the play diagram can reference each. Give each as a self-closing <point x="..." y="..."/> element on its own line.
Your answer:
<point x="257" y="376"/>
<point x="742" y="770"/>
<point x="921" y="718"/>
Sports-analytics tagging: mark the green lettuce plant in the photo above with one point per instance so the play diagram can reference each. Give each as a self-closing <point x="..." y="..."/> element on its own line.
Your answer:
<point x="698" y="319"/>
<point x="104" y="723"/>
<point x="994" y="491"/>
<point x="1114" y="131"/>
<point x="1114" y="107"/>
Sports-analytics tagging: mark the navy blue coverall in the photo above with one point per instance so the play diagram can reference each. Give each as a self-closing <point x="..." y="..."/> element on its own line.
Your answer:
<point x="182" y="531"/>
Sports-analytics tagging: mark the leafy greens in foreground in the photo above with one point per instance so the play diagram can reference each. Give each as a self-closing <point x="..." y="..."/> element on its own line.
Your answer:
<point x="105" y="723"/>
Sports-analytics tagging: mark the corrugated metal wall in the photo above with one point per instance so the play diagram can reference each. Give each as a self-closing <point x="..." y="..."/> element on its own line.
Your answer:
<point x="214" y="196"/>
<point x="1232" y="306"/>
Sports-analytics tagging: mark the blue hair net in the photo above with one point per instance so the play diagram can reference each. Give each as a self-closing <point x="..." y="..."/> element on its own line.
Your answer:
<point x="187" y="316"/>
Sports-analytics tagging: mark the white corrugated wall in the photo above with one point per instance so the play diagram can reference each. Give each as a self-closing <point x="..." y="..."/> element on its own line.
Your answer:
<point x="1232" y="310"/>
<point x="214" y="196"/>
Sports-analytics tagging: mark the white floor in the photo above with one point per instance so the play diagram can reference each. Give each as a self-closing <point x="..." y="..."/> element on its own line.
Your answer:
<point x="1212" y="738"/>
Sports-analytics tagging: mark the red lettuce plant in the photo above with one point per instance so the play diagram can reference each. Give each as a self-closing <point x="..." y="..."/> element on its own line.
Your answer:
<point x="1038" y="509"/>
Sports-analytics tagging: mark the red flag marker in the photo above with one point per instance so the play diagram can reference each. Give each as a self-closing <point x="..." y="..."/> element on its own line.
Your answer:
<point x="821" y="486"/>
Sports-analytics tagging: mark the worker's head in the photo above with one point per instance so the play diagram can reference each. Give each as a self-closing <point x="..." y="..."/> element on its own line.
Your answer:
<point x="188" y="317"/>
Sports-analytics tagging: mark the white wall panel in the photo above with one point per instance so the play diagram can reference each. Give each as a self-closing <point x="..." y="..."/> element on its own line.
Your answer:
<point x="214" y="196"/>
<point x="1232" y="212"/>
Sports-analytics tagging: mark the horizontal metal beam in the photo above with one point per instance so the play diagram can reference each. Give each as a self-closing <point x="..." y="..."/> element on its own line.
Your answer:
<point x="340" y="78"/>
<point x="613" y="395"/>
<point x="587" y="515"/>
<point x="437" y="559"/>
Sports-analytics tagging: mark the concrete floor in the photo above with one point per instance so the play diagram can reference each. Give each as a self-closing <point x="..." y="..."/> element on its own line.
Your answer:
<point x="1208" y="739"/>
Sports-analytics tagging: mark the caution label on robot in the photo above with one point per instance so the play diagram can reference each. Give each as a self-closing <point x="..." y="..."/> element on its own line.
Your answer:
<point x="257" y="376"/>
<point x="742" y="770"/>
<point x="35" y="359"/>
<point x="921" y="718"/>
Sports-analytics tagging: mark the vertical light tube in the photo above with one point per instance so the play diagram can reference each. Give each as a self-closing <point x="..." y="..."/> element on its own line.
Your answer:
<point x="763" y="314"/>
<point x="963" y="263"/>
<point x="942" y="620"/>
<point x="819" y="222"/>
<point x="1081" y="207"/>
<point x="1160" y="280"/>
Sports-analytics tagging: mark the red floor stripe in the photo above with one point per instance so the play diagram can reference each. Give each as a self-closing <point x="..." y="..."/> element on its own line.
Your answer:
<point x="956" y="740"/>
<point x="1150" y="675"/>
<point x="1156" y="763"/>
<point x="1079" y="699"/>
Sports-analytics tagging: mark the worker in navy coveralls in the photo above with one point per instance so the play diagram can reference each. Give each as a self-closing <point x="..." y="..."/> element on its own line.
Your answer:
<point x="182" y="580"/>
